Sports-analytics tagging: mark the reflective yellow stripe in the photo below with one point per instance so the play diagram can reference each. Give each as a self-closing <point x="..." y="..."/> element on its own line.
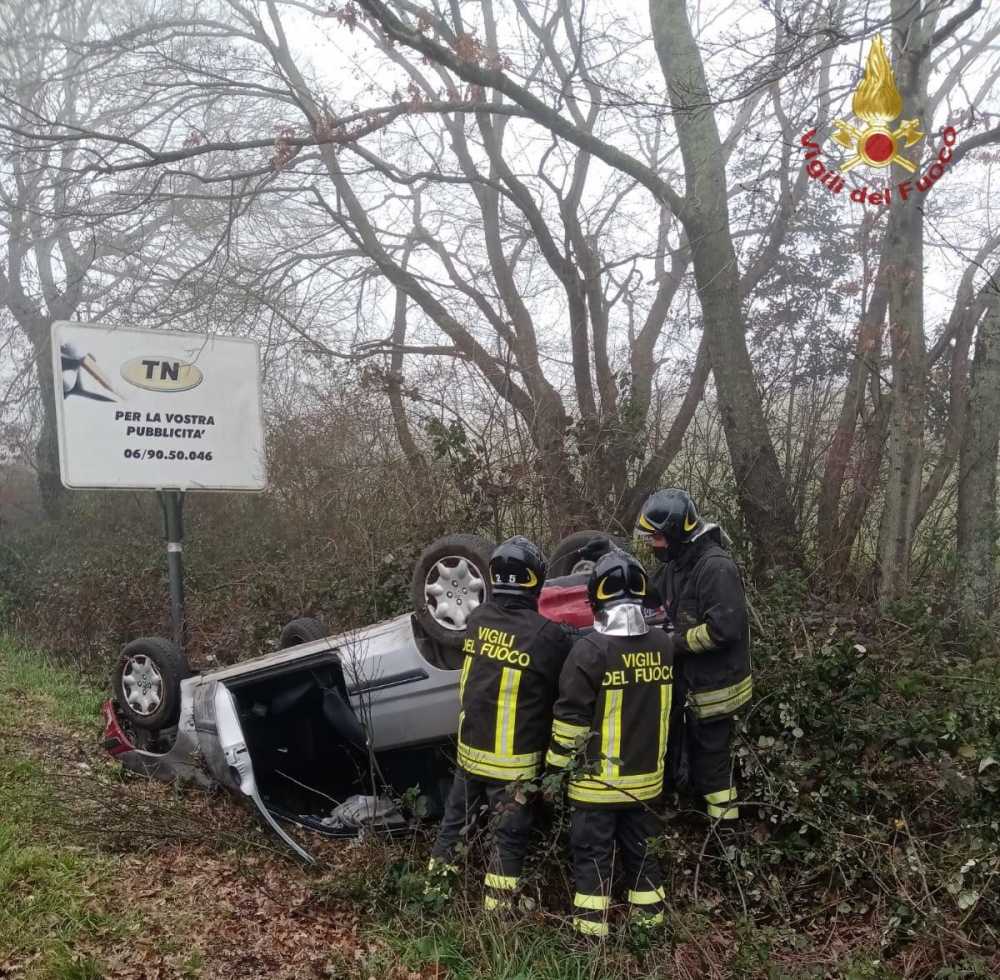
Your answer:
<point x="489" y="764"/>
<point x="557" y="759"/>
<point x="666" y="696"/>
<point x="623" y="782"/>
<point x="505" y="883"/>
<point x="724" y="701"/>
<point x="564" y="730"/>
<point x="597" y="902"/>
<point x="589" y="928"/>
<point x="717" y="808"/>
<point x="722" y="795"/>
<point x="647" y="898"/>
<point x="502" y="761"/>
<point x="698" y="638"/>
<point x="510" y="681"/>
<point x="609" y="796"/>
<point x="589" y="791"/>
<point x="708" y="698"/>
<point x="465" y="673"/>
<point x="491" y="904"/>
<point x="723" y="813"/>
<point x="611" y="732"/>
<point x="496" y="772"/>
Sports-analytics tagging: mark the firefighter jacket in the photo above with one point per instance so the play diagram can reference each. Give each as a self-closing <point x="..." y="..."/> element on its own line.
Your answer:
<point x="703" y="595"/>
<point x="509" y="682"/>
<point x="614" y="710"/>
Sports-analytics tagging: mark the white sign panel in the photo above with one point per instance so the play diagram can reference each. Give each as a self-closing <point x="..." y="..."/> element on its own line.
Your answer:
<point x="154" y="409"/>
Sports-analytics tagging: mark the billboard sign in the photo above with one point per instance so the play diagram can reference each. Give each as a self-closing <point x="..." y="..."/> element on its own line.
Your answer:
<point x="157" y="410"/>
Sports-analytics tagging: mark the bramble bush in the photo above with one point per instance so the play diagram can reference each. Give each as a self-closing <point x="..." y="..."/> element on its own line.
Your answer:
<point x="869" y="774"/>
<point x="868" y="762"/>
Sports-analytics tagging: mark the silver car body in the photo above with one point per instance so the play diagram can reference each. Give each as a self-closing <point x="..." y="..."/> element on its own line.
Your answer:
<point x="402" y="698"/>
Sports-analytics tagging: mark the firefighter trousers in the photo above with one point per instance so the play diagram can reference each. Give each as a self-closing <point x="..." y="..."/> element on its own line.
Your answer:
<point x="510" y="822"/>
<point x="700" y="756"/>
<point x="595" y="834"/>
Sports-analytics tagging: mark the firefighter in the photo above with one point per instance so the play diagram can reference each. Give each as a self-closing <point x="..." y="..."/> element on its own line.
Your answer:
<point x="612" y="718"/>
<point x="513" y="657"/>
<point x="703" y="594"/>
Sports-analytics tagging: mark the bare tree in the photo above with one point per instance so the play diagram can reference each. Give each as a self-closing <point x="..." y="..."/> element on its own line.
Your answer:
<point x="917" y="35"/>
<point x="500" y="195"/>
<point x="977" y="484"/>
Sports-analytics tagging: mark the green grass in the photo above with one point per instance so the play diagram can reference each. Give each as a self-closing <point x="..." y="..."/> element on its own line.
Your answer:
<point x="27" y="679"/>
<point x="479" y="947"/>
<point x="47" y="883"/>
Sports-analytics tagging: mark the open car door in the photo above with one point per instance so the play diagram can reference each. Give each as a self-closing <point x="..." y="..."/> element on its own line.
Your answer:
<point x="237" y="755"/>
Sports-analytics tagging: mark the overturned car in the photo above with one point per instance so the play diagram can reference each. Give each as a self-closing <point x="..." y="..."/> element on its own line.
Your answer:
<point x="302" y="729"/>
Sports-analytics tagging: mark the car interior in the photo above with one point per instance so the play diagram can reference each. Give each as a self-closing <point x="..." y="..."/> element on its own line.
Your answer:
<point x="307" y="746"/>
<point x="310" y="754"/>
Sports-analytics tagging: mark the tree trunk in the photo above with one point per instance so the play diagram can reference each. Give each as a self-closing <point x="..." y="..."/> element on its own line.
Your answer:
<point x="761" y="485"/>
<point x="977" y="468"/>
<point x="394" y="389"/>
<point x="663" y="454"/>
<point x="903" y="261"/>
<point x="830" y="541"/>
<point x="870" y="459"/>
<point x="50" y="488"/>
<point x="909" y="402"/>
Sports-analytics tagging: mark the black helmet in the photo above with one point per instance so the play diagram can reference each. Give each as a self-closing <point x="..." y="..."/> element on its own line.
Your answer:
<point x="617" y="577"/>
<point x="671" y="513"/>
<point x="517" y="567"/>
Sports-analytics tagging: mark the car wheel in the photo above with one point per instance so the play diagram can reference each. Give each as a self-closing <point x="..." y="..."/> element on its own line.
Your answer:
<point x="147" y="682"/>
<point x="303" y="630"/>
<point x="451" y="578"/>
<point x="581" y="546"/>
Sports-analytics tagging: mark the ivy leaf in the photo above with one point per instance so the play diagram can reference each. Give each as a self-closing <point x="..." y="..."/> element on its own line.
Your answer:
<point x="967" y="899"/>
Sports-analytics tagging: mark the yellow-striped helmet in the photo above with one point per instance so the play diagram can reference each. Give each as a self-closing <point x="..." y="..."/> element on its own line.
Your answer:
<point x="671" y="513"/>
<point x="617" y="577"/>
<point x="517" y="567"/>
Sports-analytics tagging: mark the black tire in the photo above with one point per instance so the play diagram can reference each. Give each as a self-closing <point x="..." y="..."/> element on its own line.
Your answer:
<point x="450" y="549"/>
<point x="579" y="546"/>
<point x="150" y="655"/>
<point x="302" y="630"/>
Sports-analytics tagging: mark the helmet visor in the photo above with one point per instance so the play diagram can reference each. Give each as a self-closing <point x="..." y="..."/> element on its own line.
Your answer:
<point x="645" y="529"/>
<point x="628" y="582"/>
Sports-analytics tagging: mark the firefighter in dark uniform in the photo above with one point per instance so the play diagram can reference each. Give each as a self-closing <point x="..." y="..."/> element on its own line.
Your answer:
<point x="513" y="657"/>
<point x="702" y="591"/>
<point x="612" y="717"/>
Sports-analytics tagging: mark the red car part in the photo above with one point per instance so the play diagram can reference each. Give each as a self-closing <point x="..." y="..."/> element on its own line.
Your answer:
<point x="567" y="603"/>
<point x="115" y="739"/>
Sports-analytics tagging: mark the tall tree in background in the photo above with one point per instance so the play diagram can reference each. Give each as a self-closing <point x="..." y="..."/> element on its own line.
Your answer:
<point x="894" y="409"/>
<point x="760" y="482"/>
<point x="489" y="216"/>
<point x="977" y="481"/>
<point x="598" y="455"/>
<point x="703" y="214"/>
<point x="44" y="274"/>
<point x="71" y="246"/>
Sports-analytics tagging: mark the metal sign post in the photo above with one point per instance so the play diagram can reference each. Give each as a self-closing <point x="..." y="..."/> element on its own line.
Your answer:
<point x="172" y="505"/>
